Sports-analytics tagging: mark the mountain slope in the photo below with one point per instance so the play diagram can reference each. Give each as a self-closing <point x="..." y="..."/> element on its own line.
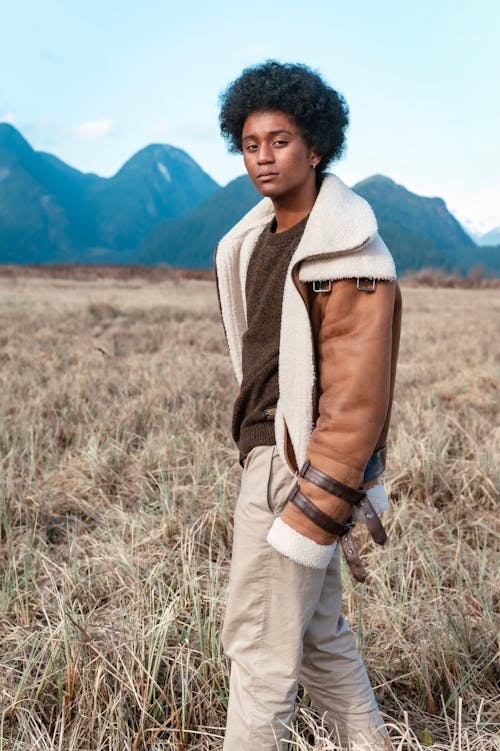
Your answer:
<point x="40" y="202"/>
<point x="157" y="183"/>
<point x="419" y="231"/>
<point x="50" y="212"/>
<point x="162" y="208"/>
<point x="191" y="241"/>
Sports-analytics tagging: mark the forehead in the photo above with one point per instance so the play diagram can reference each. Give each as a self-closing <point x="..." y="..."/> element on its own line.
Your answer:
<point x="262" y="122"/>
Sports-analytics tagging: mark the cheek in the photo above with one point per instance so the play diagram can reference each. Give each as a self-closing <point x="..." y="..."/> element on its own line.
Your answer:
<point x="247" y="161"/>
<point x="299" y="158"/>
<point x="250" y="169"/>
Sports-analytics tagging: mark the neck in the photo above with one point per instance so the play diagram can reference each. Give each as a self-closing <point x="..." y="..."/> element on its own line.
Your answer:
<point x="289" y="213"/>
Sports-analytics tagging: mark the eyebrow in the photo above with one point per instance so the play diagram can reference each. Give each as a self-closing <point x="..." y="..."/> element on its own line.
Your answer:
<point x="271" y="133"/>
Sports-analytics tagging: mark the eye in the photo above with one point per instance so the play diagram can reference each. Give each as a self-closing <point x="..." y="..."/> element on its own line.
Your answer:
<point x="280" y="142"/>
<point x="251" y="147"/>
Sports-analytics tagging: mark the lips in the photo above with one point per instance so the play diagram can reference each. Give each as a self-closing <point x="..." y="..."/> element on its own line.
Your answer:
<point x="266" y="175"/>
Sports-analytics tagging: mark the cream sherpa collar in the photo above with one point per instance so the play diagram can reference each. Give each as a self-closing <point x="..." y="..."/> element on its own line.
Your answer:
<point x="340" y="221"/>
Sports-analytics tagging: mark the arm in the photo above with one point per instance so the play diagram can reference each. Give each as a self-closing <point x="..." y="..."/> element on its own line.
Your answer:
<point x="354" y="332"/>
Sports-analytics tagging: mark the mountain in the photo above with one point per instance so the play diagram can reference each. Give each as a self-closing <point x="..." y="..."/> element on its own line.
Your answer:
<point x="162" y="208"/>
<point x="50" y="212"/>
<point x="195" y="236"/>
<point x="419" y="231"/>
<point x="489" y="238"/>
<point x="157" y="183"/>
<point x="40" y="202"/>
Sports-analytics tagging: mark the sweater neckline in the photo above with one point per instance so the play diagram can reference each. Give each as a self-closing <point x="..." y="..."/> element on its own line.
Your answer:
<point x="282" y="238"/>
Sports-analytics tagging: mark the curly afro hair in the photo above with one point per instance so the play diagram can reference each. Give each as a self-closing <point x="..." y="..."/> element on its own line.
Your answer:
<point x="319" y="111"/>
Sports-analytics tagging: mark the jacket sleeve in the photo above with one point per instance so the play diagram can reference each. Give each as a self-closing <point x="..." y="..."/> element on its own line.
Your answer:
<point x="354" y="351"/>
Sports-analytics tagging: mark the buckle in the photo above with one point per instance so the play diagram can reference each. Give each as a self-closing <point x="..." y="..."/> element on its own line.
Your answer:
<point x="318" y="286"/>
<point x="362" y="287"/>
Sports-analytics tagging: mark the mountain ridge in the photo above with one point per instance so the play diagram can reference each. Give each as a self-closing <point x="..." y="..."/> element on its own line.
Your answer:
<point x="447" y="247"/>
<point x="51" y="212"/>
<point x="162" y="208"/>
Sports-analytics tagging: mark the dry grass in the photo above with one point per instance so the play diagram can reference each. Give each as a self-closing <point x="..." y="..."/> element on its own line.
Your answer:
<point x="117" y="483"/>
<point x="476" y="278"/>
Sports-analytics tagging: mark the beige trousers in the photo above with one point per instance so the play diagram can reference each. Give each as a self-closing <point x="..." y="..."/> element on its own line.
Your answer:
<point x="284" y="624"/>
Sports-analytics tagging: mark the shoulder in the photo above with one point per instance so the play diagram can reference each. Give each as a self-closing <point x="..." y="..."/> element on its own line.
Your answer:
<point x="341" y="237"/>
<point x="372" y="260"/>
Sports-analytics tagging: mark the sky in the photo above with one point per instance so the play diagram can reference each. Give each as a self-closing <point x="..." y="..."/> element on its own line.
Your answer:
<point x="94" y="81"/>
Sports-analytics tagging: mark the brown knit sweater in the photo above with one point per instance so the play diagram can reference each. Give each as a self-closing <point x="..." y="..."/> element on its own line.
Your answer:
<point x="265" y="283"/>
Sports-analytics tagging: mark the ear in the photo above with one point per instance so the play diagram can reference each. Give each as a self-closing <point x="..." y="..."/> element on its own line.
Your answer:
<point x="314" y="159"/>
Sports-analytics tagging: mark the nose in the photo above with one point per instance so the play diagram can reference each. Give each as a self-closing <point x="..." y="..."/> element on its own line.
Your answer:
<point x="265" y="155"/>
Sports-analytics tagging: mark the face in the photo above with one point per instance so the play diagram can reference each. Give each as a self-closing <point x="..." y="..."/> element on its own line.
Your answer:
<point x="278" y="161"/>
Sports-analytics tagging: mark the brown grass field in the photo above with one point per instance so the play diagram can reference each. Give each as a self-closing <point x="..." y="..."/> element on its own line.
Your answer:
<point x="118" y="479"/>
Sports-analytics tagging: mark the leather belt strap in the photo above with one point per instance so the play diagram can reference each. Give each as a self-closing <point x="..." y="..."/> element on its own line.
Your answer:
<point x="357" y="498"/>
<point x="372" y="520"/>
<point x="335" y="487"/>
<point x="352" y="557"/>
<point x="354" y="497"/>
<point x="376" y="464"/>
<point x="316" y="515"/>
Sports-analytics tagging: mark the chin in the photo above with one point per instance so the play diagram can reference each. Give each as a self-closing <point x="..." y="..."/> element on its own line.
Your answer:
<point x="269" y="191"/>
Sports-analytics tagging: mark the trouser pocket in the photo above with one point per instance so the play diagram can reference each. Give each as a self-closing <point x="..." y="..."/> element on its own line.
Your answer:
<point x="279" y="484"/>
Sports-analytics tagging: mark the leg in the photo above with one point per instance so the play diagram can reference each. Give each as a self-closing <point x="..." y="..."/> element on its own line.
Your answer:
<point x="334" y="674"/>
<point x="270" y="603"/>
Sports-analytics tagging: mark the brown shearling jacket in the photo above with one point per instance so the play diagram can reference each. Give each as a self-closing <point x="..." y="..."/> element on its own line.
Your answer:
<point x="337" y="356"/>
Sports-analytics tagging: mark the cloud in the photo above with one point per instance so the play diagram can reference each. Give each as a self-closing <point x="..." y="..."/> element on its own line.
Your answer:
<point x="182" y="132"/>
<point x="478" y="210"/>
<point x="196" y="132"/>
<point x="8" y="117"/>
<point x="94" y="130"/>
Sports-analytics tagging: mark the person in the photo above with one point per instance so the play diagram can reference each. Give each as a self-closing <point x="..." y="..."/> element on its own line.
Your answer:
<point x="310" y="306"/>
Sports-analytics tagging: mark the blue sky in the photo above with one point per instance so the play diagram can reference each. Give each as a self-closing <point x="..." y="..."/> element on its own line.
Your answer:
<point x="93" y="82"/>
